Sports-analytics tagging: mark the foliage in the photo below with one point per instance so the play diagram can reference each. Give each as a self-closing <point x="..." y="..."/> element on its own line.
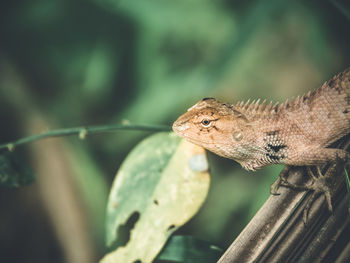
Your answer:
<point x="161" y="184"/>
<point x="190" y="250"/>
<point x="14" y="173"/>
<point x="67" y="63"/>
<point x="347" y="181"/>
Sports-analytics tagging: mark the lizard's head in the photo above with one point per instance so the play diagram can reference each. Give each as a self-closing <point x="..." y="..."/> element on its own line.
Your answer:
<point x="213" y="125"/>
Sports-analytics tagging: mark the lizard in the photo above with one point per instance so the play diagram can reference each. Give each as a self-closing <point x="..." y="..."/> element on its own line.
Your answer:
<point x="295" y="133"/>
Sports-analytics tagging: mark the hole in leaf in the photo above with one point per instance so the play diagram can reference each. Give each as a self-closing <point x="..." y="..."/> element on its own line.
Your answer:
<point x="155" y="201"/>
<point x="171" y="227"/>
<point x="137" y="261"/>
<point x="123" y="231"/>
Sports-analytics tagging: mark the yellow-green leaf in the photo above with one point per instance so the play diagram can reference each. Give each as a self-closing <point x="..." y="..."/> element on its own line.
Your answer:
<point x="165" y="180"/>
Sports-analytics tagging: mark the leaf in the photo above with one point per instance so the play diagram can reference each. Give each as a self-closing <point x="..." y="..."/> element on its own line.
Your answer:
<point x="190" y="250"/>
<point x="14" y="173"/>
<point x="161" y="185"/>
<point x="347" y="187"/>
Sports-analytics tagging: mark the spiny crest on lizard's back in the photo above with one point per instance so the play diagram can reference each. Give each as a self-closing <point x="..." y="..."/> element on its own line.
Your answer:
<point x="340" y="82"/>
<point x="257" y="108"/>
<point x="263" y="109"/>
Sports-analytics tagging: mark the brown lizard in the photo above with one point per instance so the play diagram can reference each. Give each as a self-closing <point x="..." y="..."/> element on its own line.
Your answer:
<point x="293" y="133"/>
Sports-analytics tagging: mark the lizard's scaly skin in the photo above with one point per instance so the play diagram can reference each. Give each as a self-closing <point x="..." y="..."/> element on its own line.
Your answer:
<point x="255" y="134"/>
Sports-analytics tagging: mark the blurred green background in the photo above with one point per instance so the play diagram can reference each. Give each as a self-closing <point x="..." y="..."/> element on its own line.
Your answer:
<point x="70" y="63"/>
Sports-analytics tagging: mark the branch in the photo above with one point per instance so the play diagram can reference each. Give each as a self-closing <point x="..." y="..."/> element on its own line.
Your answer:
<point x="82" y="132"/>
<point x="277" y="232"/>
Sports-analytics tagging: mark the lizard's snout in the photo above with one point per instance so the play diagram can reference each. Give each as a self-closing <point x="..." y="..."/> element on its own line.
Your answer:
<point x="180" y="127"/>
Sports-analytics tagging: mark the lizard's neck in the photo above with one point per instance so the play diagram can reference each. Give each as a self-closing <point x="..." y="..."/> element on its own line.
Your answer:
<point x="263" y="142"/>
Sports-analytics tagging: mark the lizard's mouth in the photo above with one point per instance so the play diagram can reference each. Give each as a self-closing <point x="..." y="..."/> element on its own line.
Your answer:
<point x="192" y="140"/>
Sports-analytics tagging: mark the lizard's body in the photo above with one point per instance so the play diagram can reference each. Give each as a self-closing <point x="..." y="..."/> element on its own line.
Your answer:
<point x="292" y="133"/>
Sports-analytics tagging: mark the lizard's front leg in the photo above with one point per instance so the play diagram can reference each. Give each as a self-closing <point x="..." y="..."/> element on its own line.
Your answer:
<point x="312" y="156"/>
<point x="322" y="184"/>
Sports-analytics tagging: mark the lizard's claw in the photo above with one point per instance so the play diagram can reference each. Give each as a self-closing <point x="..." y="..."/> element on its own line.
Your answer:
<point x="274" y="187"/>
<point x="324" y="185"/>
<point x="281" y="178"/>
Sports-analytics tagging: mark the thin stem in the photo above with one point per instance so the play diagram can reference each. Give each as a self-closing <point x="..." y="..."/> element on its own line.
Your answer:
<point x="82" y="132"/>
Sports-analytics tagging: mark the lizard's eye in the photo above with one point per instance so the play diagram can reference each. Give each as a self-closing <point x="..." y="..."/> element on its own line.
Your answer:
<point x="206" y="123"/>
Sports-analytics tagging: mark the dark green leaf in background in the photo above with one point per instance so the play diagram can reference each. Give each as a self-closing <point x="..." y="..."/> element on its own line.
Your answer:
<point x="102" y="61"/>
<point x="13" y="173"/>
<point x="190" y="250"/>
<point x="347" y="187"/>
